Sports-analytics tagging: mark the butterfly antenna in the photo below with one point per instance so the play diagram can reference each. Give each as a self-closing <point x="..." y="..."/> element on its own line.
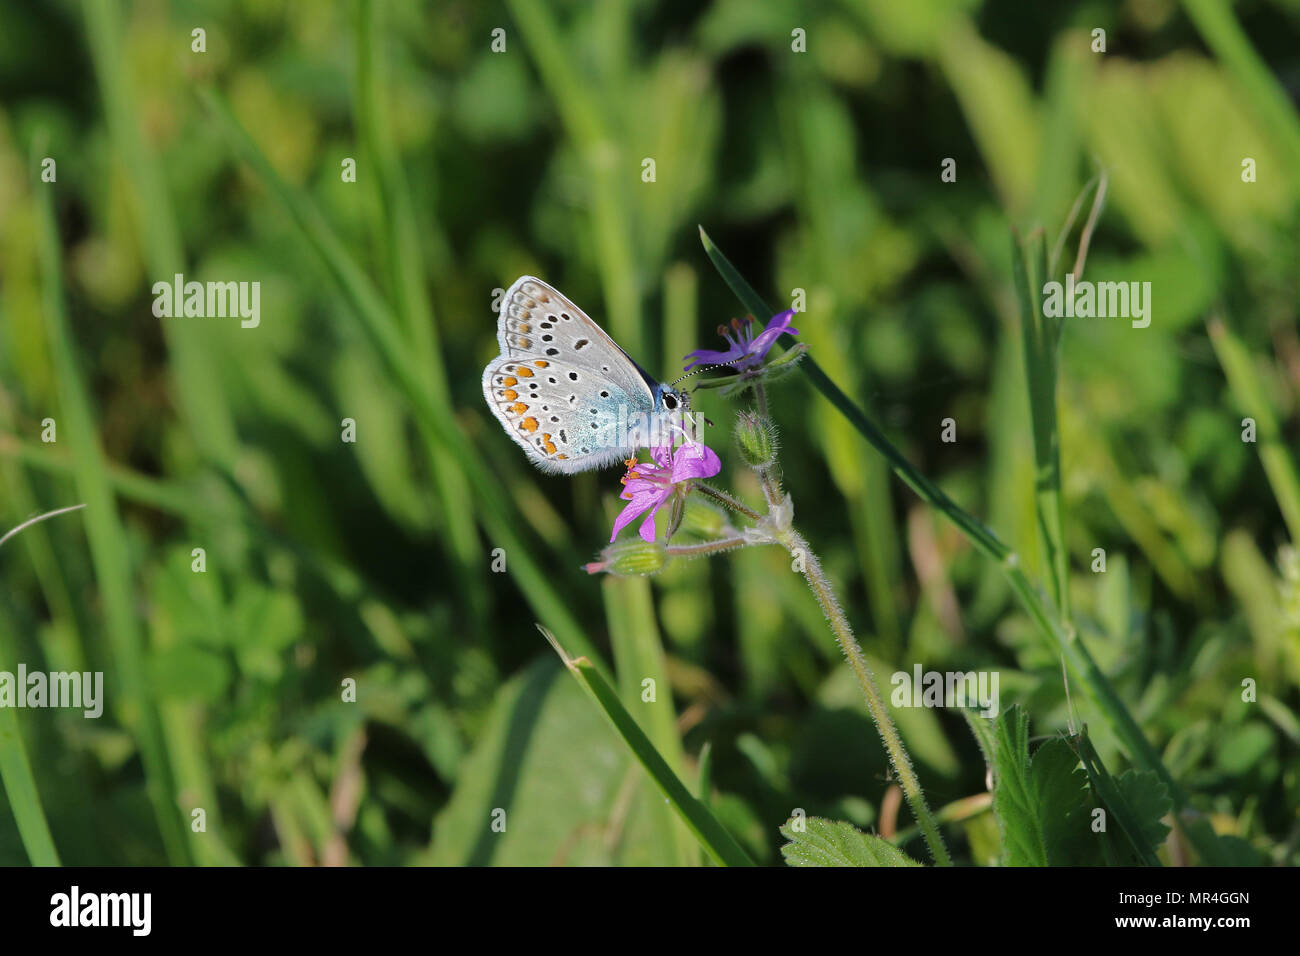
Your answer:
<point x="704" y="368"/>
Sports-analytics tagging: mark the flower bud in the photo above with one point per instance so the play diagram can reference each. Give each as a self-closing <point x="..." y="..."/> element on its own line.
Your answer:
<point x="756" y="438"/>
<point x="702" y="520"/>
<point x="785" y="363"/>
<point x="636" y="558"/>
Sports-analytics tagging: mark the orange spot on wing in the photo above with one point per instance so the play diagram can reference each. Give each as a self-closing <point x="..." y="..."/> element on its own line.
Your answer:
<point x="519" y="408"/>
<point x="510" y="380"/>
<point x="542" y="363"/>
<point x="524" y="371"/>
<point x="509" y="394"/>
<point x="529" y="424"/>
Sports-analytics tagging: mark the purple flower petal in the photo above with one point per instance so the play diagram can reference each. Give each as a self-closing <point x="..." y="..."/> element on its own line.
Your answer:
<point x="648" y="486"/>
<point x="710" y="357"/>
<point x="695" y="460"/>
<point x="779" y="326"/>
<point x="749" y="352"/>
<point x="638" y="486"/>
<point x="648" y="529"/>
<point x="631" y="511"/>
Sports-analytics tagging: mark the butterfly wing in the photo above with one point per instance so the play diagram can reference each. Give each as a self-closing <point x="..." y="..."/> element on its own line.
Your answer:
<point x="562" y="388"/>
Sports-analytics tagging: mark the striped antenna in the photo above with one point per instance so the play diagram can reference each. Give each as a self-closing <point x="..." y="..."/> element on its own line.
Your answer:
<point x="705" y="368"/>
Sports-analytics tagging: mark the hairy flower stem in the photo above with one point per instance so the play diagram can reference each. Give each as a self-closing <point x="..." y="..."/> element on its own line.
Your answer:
<point x="725" y="499"/>
<point x="767" y="475"/>
<point x="706" y="547"/>
<point x="780" y="511"/>
<point x="821" y="588"/>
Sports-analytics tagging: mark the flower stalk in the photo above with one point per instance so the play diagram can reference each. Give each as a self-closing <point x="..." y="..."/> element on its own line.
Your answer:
<point x="898" y="758"/>
<point x="676" y="472"/>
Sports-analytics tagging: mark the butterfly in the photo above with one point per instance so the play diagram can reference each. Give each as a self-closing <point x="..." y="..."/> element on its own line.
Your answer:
<point x="564" y="390"/>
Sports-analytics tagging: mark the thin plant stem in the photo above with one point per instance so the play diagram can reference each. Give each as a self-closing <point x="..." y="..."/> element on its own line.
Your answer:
<point x="902" y="764"/>
<point x="726" y="499"/>
<point x="1085" y="237"/>
<point x="706" y="547"/>
<point x="1059" y="247"/>
<point x="766" y="474"/>
<point x="31" y="521"/>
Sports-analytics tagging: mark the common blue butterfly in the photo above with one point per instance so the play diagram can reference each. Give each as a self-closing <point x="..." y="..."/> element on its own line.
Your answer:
<point x="564" y="390"/>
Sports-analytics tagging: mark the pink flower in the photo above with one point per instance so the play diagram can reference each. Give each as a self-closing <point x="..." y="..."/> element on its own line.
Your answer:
<point x="747" y="349"/>
<point x="648" y="485"/>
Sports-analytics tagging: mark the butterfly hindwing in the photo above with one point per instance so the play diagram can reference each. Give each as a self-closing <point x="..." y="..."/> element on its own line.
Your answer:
<point x="564" y="425"/>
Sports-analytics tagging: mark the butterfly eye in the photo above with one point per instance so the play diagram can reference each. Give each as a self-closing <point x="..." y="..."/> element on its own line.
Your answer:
<point x="670" y="402"/>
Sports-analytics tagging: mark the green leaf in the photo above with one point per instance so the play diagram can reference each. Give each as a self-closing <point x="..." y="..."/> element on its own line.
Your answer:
<point x="1041" y="804"/>
<point x="835" y="843"/>
<point x="546" y="770"/>
<point x="1013" y="803"/>
<point x="1136" y="801"/>
<point x="715" y="839"/>
<point x="1061" y="791"/>
<point x="638" y="655"/>
<point x="1148" y="800"/>
<point x="188" y="673"/>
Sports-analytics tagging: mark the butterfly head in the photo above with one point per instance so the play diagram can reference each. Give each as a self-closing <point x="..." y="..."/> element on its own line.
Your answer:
<point x="675" y="404"/>
<point x="673" y="401"/>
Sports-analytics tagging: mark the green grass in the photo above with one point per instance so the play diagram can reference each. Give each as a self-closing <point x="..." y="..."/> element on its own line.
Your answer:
<point x="376" y="561"/>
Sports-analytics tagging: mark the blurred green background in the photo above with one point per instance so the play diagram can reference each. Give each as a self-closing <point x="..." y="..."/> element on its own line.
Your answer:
<point x="816" y="170"/>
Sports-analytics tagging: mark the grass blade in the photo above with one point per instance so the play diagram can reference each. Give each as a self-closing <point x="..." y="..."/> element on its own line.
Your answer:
<point x="396" y="219"/>
<point x="108" y="548"/>
<point x="717" y="842"/>
<point x="638" y="656"/>
<point x="198" y="387"/>
<point x="20" y="789"/>
<point x="1264" y="95"/>
<point x="601" y="152"/>
<point x="1245" y="383"/>
<point x="1039" y="337"/>
<point x="1106" y="787"/>
<point x="15" y="770"/>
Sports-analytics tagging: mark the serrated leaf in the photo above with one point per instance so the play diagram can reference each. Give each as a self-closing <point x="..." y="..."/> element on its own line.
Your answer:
<point x="1022" y="837"/>
<point x="1061" y="794"/>
<point x="1136" y="800"/>
<point x="835" y="843"/>
<point x="1148" y="801"/>
<point x="1041" y="804"/>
